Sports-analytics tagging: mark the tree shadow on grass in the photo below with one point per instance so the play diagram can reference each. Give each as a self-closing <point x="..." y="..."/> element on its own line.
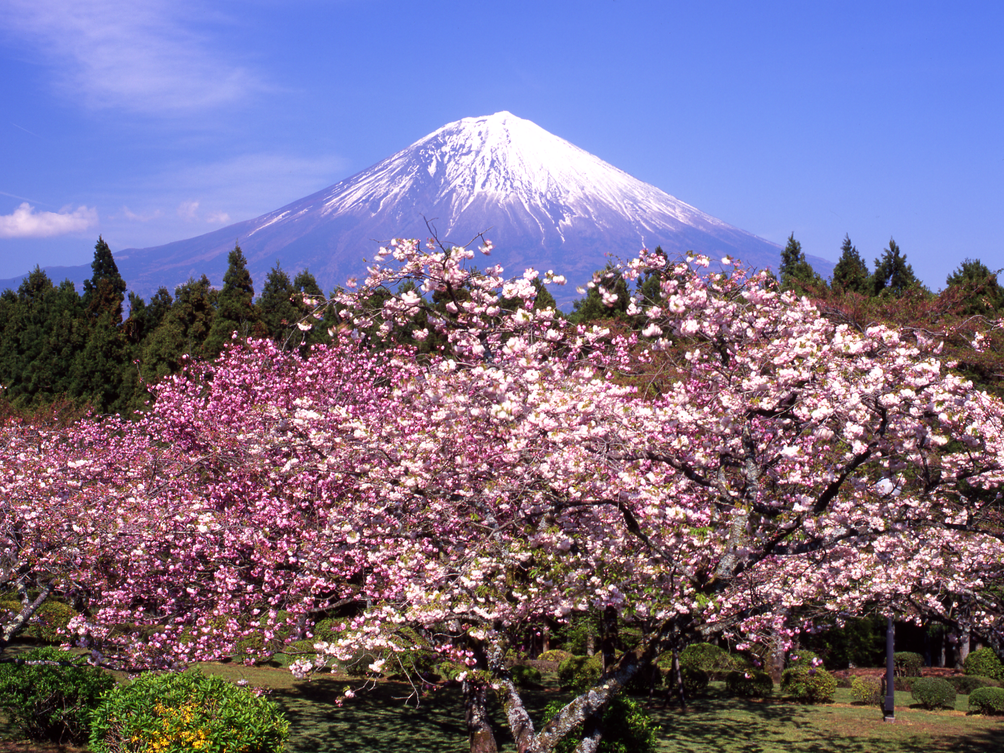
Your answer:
<point x="730" y="725"/>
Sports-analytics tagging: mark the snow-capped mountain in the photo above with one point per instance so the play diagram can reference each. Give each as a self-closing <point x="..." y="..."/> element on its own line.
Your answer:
<point x="544" y="203"/>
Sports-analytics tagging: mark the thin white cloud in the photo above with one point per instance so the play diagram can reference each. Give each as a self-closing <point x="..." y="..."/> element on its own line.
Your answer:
<point x="130" y="215"/>
<point x="154" y="56"/>
<point x="188" y="211"/>
<point x="25" y="222"/>
<point x="218" y="218"/>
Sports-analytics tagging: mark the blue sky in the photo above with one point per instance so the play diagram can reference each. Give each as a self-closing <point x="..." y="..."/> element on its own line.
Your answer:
<point x="156" y="120"/>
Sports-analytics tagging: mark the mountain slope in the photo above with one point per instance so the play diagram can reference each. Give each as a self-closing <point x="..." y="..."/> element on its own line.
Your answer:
<point x="543" y="202"/>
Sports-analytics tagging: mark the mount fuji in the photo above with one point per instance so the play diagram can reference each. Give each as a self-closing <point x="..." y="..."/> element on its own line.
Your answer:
<point x="544" y="203"/>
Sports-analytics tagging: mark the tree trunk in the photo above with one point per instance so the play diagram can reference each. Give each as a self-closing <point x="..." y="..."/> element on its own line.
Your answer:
<point x="964" y="636"/>
<point x="20" y="622"/>
<point x="592" y="735"/>
<point x="676" y="673"/>
<point x="609" y="644"/>
<point x="479" y="729"/>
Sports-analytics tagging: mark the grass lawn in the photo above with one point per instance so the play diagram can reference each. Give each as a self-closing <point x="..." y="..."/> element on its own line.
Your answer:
<point x="380" y="720"/>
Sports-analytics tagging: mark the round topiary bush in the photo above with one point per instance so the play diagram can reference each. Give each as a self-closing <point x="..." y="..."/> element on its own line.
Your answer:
<point x="555" y="654"/>
<point x="808" y="684"/>
<point x="707" y="657"/>
<point x="989" y="701"/>
<point x="48" y="694"/>
<point x="627" y="728"/>
<point x="525" y="677"/>
<point x="867" y="690"/>
<point x="934" y="693"/>
<point x="580" y="672"/>
<point x="170" y="713"/>
<point x="695" y="681"/>
<point x="907" y="663"/>
<point x="750" y="683"/>
<point x="985" y="663"/>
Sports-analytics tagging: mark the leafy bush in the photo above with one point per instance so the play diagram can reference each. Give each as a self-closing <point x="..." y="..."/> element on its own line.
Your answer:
<point x="695" y="681"/>
<point x="866" y="689"/>
<point x="708" y="657"/>
<point x="933" y="693"/>
<point x="525" y="677"/>
<point x="48" y="694"/>
<point x="808" y="684"/>
<point x="48" y="622"/>
<point x="750" y="683"/>
<point x="907" y="663"/>
<point x="802" y="658"/>
<point x="555" y="654"/>
<point x="989" y="701"/>
<point x="985" y="663"/>
<point x="627" y="728"/>
<point x="170" y="713"/>
<point x="580" y="672"/>
<point x="904" y="684"/>
<point x="966" y="684"/>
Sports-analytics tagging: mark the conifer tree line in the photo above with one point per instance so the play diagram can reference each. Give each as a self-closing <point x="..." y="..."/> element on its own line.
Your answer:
<point x="60" y="345"/>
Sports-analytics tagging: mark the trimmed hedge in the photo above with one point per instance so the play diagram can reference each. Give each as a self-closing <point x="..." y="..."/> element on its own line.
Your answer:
<point x="808" y="684"/>
<point x="907" y="663"/>
<point x="707" y="657"/>
<point x="867" y="690"/>
<point x="985" y="663"/>
<point x="525" y="677"/>
<point x="751" y="683"/>
<point x="580" y="672"/>
<point x="989" y="701"/>
<point x="933" y="693"/>
<point x="966" y="684"/>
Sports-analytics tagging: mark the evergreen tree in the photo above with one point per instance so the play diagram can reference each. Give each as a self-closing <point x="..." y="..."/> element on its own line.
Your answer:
<point x="851" y="273"/>
<point x="279" y="313"/>
<point x="105" y="291"/>
<point x="592" y="308"/>
<point x="236" y="311"/>
<point x="796" y="273"/>
<point x="984" y="296"/>
<point x="893" y="273"/>
<point x="183" y="330"/>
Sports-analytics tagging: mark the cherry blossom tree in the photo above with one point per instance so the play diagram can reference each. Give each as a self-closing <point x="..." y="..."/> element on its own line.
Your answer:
<point x="454" y="498"/>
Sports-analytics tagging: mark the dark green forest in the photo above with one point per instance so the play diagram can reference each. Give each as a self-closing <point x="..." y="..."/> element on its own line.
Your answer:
<point x="59" y="345"/>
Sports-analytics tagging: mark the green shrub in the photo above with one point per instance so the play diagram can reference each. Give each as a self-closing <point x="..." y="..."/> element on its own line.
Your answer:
<point x="51" y="699"/>
<point x="933" y="693"/>
<point x="171" y="713"/>
<point x="802" y="658"/>
<point x="808" y="684"/>
<point x="907" y="663"/>
<point x="866" y="689"/>
<point x="750" y="683"/>
<point x="48" y="622"/>
<point x="695" y="681"/>
<point x="989" y="701"/>
<point x="555" y="654"/>
<point x="966" y="684"/>
<point x="451" y="670"/>
<point x="985" y="663"/>
<point x="525" y="677"/>
<point x="904" y="684"/>
<point x="627" y="728"/>
<point x="580" y="672"/>
<point x="707" y="657"/>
